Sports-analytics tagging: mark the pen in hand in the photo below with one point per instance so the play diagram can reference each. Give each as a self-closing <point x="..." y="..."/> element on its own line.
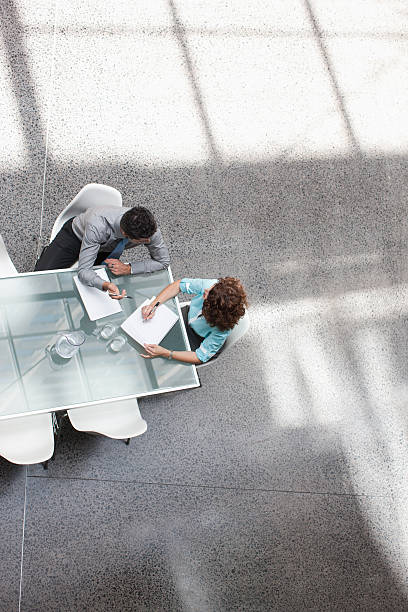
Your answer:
<point x="151" y="312"/>
<point x="125" y="296"/>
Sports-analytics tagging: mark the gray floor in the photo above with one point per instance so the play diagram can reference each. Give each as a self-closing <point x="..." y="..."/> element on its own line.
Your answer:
<point x="270" y="140"/>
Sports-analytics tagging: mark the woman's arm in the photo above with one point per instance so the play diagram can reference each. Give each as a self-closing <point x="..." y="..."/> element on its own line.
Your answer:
<point x="168" y="292"/>
<point x="154" y="350"/>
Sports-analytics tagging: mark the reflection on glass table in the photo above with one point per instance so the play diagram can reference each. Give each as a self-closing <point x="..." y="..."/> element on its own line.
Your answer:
<point x="53" y="357"/>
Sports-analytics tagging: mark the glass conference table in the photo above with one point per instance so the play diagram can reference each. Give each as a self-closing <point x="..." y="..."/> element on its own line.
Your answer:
<point x="37" y="307"/>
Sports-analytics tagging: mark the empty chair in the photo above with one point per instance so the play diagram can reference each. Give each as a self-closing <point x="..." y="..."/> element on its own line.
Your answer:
<point x="7" y="267"/>
<point x="27" y="440"/>
<point x="119" y="419"/>
<point x="236" y="333"/>
<point x="90" y="196"/>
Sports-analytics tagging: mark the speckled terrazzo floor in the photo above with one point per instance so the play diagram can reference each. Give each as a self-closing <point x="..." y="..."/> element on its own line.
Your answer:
<point x="270" y="140"/>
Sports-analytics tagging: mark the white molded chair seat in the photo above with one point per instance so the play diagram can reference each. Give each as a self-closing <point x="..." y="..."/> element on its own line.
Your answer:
<point x="237" y="332"/>
<point x="90" y="196"/>
<point x="27" y="440"/>
<point x="119" y="419"/>
<point x="7" y="268"/>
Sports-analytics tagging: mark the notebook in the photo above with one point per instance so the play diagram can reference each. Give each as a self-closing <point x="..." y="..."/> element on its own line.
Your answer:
<point x="153" y="330"/>
<point x="98" y="304"/>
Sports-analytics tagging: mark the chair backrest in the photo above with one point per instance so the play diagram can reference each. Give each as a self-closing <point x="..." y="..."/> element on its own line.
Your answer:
<point x="27" y="440"/>
<point x="7" y="268"/>
<point x="90" y="196"/>
<point x="237" y="332"/>
<point x="117" y="419"/>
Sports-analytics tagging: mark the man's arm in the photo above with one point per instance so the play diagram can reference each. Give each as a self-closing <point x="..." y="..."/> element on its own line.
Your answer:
<point x="87" y="255"/>
<point x="159" y="253"/>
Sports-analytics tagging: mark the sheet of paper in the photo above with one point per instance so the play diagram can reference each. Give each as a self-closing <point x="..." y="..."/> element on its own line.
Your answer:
<point x="153" y="330"/>
<point x="98" y="304"/>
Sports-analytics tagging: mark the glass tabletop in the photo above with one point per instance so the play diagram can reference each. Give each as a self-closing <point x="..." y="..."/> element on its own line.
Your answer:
<point x="37" y="308"/>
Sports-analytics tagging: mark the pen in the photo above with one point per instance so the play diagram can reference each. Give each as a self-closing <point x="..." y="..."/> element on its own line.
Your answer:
<point x="154" y="307"/>
<point x="126" y="296"/>
<point x="152" y="310"/>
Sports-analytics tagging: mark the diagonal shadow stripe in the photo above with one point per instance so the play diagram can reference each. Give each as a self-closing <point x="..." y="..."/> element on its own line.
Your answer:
<point x="21" y="79"/>
<point x="339" y="96"/>
<point x="182" y="39"/>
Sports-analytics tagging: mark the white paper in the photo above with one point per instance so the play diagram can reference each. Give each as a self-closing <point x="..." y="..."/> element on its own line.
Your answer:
<point x="153" y="330"/>
<point x="98" y="304"/>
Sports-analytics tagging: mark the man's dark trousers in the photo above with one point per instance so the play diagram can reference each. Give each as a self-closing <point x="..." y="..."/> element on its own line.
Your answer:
<point x="64" y="250"/>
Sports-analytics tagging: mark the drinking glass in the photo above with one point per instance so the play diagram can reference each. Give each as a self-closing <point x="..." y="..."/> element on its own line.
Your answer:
<point x="107" y="331"/>
<point x="117" y="343"/>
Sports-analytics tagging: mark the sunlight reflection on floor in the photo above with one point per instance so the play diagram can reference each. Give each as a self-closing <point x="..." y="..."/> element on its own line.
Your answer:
<point x="329" y="363"/>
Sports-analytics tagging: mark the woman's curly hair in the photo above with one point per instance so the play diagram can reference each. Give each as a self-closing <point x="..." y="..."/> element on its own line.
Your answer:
<point x="225" y="303"/>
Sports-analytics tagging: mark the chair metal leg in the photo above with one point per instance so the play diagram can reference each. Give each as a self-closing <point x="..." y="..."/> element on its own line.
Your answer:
<point x="42" y="253"/>
<point x="127" y="441"/>
<point x="57" y="422"/>
<point x="45" y="464"/>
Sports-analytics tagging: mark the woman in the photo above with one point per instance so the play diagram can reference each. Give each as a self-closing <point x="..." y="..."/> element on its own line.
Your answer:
<point x="216" y="308"/>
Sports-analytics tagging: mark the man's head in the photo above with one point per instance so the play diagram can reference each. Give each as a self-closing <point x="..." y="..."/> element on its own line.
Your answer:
<point x="138" y="224"/>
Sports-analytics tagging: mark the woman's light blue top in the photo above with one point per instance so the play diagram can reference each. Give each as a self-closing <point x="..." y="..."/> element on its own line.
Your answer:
<point x="213" y="337"/>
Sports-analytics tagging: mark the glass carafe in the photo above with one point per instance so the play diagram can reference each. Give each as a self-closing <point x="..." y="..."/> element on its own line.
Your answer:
<point x="68" y="344"/>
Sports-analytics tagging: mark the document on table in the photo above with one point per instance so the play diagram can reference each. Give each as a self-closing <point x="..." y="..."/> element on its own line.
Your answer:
<point x="98" y="304"/>
<point x="153" y="330"/>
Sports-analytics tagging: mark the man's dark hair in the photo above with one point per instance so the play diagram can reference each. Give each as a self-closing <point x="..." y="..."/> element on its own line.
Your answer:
<point x="138" y="222"/>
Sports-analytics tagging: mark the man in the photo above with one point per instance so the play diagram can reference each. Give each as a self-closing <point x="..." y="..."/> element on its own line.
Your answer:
<point x="99" y="235"/>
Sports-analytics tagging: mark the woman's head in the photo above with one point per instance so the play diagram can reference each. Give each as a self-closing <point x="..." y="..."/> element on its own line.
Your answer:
<point x="225" y="303"/>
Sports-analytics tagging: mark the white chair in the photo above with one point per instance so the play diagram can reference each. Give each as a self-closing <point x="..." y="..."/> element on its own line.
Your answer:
<point x="120" y="419"/>
<point x="7" y="267"/>
<point x="237" y="332"/>
<point x="90" y="196"/>
<point x="27" y="440"/>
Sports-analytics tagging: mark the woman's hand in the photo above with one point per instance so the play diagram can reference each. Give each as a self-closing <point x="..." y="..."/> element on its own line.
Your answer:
<point x="154" y="350"/>
<point x="148" y="311"/>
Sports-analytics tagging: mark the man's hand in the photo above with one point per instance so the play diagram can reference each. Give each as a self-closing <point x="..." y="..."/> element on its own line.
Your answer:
<point x="113" y="291"/>
<point x="117" y="267"/>
<point x="154" y="350"/>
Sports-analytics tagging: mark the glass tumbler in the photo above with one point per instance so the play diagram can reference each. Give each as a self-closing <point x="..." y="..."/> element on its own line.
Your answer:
<point x="107" y="331"/>
<point x="117" y="344"/>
